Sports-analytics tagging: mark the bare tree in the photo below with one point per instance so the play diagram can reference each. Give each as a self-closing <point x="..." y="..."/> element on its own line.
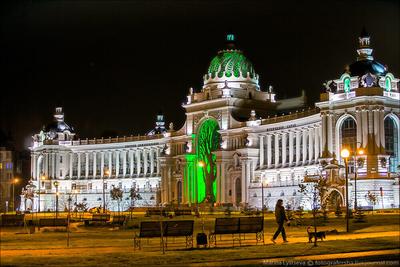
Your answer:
<point x="116" y="193"/>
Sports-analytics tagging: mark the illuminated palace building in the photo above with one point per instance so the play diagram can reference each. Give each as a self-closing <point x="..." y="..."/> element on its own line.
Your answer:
<point x="237" y="139"/>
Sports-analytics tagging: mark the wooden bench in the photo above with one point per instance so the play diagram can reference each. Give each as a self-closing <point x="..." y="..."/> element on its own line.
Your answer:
<point x="181" y="212"/>
<point x="12" y="219"/>
<point x="182" y="228"/>
<point x="98" y="217"/>
<point x="150" y="229"/>
<point x="156" y="212"/>
<point x="240" y="226"/>
<point x="118" y="219"/>
<point x="53" y="222"/>
<point x="224" y="226"/>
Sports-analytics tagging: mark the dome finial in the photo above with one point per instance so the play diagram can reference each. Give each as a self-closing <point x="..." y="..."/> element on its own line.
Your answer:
<point x="364" y="51"/>
<point x="230" y="40"/>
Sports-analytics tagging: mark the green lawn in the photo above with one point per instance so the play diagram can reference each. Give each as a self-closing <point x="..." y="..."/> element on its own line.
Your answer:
<point x="106" y="246"/>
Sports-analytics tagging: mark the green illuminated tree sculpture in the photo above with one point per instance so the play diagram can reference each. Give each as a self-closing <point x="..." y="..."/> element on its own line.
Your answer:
<point x="207" y="142"/>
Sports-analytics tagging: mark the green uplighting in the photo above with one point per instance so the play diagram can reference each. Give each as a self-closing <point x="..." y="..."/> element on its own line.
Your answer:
<point x="347" y="85"/>
<point x="230" y="62"/>
<point x="201" y="170"/>
<point x="208" y="140"/>
<point x="230" y="37"/>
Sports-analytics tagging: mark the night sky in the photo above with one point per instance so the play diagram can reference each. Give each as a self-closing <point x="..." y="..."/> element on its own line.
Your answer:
<point x="113" y="65"/>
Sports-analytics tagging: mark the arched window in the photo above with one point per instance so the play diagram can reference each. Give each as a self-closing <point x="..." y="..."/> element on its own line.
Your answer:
<point x="347" y="84"/>
<point x="179" y="189"/>
<point x="238" y="191"/>
<point x="391" y="142"/>
<point x="388" y="84"/>
<point x="349" y="134"/>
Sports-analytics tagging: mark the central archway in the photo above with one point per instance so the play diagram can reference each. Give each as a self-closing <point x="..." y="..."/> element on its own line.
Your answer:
<point x="208" y="140"/>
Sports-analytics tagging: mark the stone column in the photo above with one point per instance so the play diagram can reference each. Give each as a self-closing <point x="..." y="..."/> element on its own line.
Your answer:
<point x="53" y="164"/>
<point x="79" y="165"/>
<point x="276" y="150"/>
<point x="382" y="129"/>
<point x="151" y="154"/>
<point x="304" y="132"/>
<point x="94" y="164"/>
<point x="110" y="170"/>
<point x="102" y="164"/>
<point x="262" y="151"/>
<point x="330" y="133"/>
<point x="124" y="162"/>
<point x="284" y="149"/>
<point x="145" y="161"/>
<point x="269" y="150"/>
<point x="223" y="183"/>
<point x="291" y="148"/>
<point x="298" y="140"/>
<point x="86" y="165"/>
<point x="138" y="162"/>
<point x="316" y="143"/>
<point x="71" y="166"/>
<point x="324" y="135"/>
<point x="117" y="163"/>
<point x="310" y="133"/>
<point x="33" y="166"/>
<point x="371" y="130"/>
<point x="359" y="126"/>
<point x="158" y="161"/>
<point x="243" y="181"/>
<point x="131" y="162"/>
<point x="364" y="119"/>
<point x="377" y="131"/>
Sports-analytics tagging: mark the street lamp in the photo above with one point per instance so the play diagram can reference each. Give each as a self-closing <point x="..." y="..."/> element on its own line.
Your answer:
<point x="42" y="178"/>
<point x="56" y="185"/>
<point x="15" y="181"/>
<point x="345" y="153"/>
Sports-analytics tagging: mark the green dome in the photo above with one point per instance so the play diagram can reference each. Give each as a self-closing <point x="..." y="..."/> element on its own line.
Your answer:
<point x="230" y="63"/>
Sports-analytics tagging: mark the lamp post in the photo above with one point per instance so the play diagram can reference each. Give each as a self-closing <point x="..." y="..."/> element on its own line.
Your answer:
<point x="345" y="153"/>
<point x="42" y="178"/>
<point x="56" y="185"/>
<point x="15" y="181"/>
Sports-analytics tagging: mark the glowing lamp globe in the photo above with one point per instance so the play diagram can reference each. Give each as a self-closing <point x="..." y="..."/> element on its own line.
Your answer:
<point x="345" y="153"/>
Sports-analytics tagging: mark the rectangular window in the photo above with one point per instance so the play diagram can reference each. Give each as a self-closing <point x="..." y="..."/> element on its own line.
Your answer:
<point x="61" y="159"/>
<point x="73" y="186"/>
<point x="89" y="186"/>
<point x="60" y="173"/>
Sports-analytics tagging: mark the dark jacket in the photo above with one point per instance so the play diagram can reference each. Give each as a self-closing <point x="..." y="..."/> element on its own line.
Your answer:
<point x="280" y="214"/>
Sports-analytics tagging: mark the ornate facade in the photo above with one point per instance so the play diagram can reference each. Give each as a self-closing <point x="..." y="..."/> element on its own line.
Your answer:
<point x="237" y="140"/>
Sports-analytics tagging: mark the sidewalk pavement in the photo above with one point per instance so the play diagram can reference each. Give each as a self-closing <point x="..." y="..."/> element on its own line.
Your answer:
<point x="388" y="257"/>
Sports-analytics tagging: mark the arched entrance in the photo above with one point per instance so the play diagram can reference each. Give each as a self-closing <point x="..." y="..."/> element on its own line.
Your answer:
<point x="333" y="200"/>
<point x="392" y="142"/>
<point x="179" y="191"/>
<point x="208" y="141"/>
<point x="238" y="191"/>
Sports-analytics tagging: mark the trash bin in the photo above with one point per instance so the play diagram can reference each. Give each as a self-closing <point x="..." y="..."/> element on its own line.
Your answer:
<point x="201" y="239"/>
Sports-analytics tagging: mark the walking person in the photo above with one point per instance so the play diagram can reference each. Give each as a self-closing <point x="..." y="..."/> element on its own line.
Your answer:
<point x="281" y="218"/>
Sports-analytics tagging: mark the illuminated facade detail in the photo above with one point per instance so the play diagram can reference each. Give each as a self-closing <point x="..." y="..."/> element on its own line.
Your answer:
<point x="237" y="137"/>
<point x="208" y="141"/>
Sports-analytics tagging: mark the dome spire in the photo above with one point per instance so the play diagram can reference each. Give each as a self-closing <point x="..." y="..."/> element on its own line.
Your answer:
<point x="364" y="51"/>
<point x="230" y="41"/>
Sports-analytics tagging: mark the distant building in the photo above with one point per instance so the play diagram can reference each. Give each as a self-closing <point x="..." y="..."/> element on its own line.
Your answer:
<point x="6" y="179"/>
<point x="236" y="138"/>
